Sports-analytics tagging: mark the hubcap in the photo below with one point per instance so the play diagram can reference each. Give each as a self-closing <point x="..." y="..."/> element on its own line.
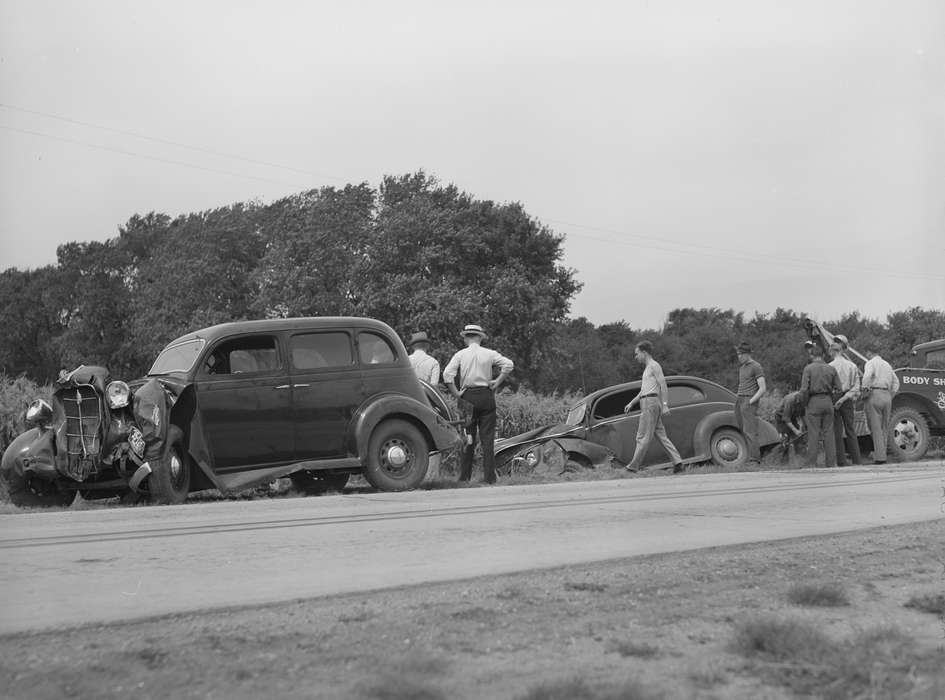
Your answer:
<point x="177" y="469"/>
<point x="906" y="435"/>
<point x="396" y="456"/>
<point x="727" y="448"/>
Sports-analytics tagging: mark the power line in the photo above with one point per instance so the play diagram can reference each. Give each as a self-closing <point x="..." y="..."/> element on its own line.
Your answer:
<point x="167" y="142"/>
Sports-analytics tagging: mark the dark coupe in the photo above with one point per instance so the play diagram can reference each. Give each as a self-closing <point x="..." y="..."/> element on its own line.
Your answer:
<point x="597" y="432"/>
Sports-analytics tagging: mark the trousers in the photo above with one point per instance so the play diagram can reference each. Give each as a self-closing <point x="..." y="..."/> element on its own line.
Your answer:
<point x="843" y="424"/>
<point x="819" y="419"/>
<point x="746" y="418"/>
<point x="651" y="423"/>
<point x="878" y="408"/>
<point x="480" y="422"/>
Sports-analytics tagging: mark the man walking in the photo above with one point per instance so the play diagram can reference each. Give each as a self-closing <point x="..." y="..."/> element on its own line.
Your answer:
<point x="820" y="384"/>
<point x="843" y="408"/>
<point x="425" y="366"/>
<point x="881" y="383"/>
<point x="751" y="387"/>
<point x="654" y="404"/>
<point x="474" y="366"/>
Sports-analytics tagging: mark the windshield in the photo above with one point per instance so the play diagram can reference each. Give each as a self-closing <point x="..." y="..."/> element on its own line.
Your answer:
<point x="576" y="414"/>
<point x="178" y="358"/>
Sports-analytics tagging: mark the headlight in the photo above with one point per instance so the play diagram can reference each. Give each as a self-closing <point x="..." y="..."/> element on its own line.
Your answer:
<point x="531" y="459"/>
<point x="117" y="393"/>
<point x="39" y="412"/>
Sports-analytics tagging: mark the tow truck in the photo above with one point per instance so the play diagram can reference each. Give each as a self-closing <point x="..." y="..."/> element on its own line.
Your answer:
<point x="918" y="408"/>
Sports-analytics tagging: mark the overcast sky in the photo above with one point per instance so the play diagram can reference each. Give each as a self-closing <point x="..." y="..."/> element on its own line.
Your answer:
<point x="738" y="153"/>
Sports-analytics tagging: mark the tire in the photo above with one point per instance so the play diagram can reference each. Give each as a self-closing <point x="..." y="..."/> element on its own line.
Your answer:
<point x="169" y="482"/>
<point x="315" y="483"/>
<point x="728" y="448"/>
<point x="35" y="493"/>
<point x="909" y="434"/>
<point x="397" y="458"/>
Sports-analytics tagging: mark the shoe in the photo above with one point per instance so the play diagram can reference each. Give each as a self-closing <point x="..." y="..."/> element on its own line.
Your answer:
<point x="630" y="469"/>
<point x="678" y="468"/>
<point x="879" y="461"/>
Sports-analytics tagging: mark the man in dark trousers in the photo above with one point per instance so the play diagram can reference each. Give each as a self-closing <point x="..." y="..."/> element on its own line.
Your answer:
<point x="474" y="366"/>
<point x="820" y="384"/>
<point x="751" y="387"/>
<point x="654" y="404"/>
<point x="843" y="407"/>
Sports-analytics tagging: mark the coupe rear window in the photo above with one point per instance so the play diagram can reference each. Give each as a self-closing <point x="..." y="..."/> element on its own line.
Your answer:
<point x="178" y="358"/>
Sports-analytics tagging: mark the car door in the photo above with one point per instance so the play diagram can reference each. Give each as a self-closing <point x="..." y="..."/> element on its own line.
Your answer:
<point x="611" y="427"/>
<point x="688" y="405"/>
<point x="326" y="390"/>
<point x="244" y="397"/>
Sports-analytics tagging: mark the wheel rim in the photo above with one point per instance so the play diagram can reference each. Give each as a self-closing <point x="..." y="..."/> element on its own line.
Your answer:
<point x="177" y="470"/>
<point x="396" y="457"/>
<point x="727" y="448"/>
<point x="906" y="435"/>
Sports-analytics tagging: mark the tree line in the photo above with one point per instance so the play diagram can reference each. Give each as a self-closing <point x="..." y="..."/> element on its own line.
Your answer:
<point x="413" y="252"/>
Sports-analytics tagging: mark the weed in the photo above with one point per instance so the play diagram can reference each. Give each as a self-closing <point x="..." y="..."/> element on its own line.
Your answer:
<point x="400" y="687"/>
<point x="929" y="602"/>
<point x="774" y="639"/>
<point x="627" y="648"/>
<point x="579" y="689"/>
<point x="708" y="676"/>
<point x="821" y="595"/>
<point x="585" y="586"/>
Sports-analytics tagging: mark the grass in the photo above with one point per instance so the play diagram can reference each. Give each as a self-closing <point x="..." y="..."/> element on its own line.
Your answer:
<point x="818" y="595"/>
<point x="629" y="648"/>
<point x="933" y="603"/>
<point x="579" y="689"/>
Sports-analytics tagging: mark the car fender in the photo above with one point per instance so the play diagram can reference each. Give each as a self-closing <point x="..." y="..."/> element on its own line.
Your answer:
<point x="33" y="450"/>
<point x="767" y="433"/>
<point x="440" y="434"/>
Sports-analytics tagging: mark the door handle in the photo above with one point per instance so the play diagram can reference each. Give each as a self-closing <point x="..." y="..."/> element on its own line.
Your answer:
<point x="283" y="386"/>
<point x="298" y="386"/>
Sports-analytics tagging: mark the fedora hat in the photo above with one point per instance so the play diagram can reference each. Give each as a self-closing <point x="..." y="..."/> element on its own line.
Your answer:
<point x="473" y="329"/>
<point x="420" y="337"/>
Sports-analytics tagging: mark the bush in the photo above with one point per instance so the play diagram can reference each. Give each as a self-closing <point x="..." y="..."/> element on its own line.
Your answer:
<point x="15" y="395"/>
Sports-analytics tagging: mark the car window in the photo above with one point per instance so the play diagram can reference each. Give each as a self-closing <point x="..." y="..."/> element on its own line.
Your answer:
<point x="935" y="359"/>
<point x="684" y="395"/>
<point x="178" y="358"/>
<point x="375" y="349"/>
<point x="252" y="354"/>
<point x="319" y="350"/>
<point x="613" y="404"/>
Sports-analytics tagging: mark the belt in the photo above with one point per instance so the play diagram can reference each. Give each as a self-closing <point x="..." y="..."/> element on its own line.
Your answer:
<point x="649" y="396"/>
<point x="880" y="388"/>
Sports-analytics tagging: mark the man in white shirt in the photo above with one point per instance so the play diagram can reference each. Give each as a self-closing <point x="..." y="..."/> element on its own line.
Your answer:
<point x="881" y="383"/>
<point x="425" y="366"/>
<point x="843" y="406"/>
<point x="474" y="367"/>
<point x="654" y="404"/>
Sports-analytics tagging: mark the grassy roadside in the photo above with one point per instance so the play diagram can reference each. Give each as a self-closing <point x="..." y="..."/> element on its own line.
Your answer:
<point x="858" y="615"/>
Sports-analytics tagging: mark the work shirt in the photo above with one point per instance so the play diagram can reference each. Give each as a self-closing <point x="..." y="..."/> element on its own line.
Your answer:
<point x="849" y="377"/>
<point x="791" y="408"/>
<point x="426" y="367"/>
<point x="474" y="364"/>
<point x="820" y="378"/>
<point x="652" y="378"/>
<point x="749" y="372"/>
<point x="878" y="374"/>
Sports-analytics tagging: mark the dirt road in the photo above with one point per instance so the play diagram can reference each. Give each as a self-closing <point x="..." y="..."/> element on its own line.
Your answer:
<point x="72" y="568"/>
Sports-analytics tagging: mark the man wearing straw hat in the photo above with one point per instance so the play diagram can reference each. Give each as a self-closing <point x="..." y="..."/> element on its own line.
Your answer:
<point x="474" y="366"/>
<point x="425" y="366"/>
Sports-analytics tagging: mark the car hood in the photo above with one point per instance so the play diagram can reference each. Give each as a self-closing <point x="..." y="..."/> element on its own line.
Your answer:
<point x="539" y="435"/>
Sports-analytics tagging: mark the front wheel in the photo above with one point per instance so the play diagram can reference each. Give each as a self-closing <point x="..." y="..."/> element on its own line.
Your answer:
<point x="169" y="482"/>
<point x="397" y="457"/>
<point x="35" y="493"/>
<point x="729" y="448"/>
<point x="908" y="434"/>
<point x="315" y="483"/>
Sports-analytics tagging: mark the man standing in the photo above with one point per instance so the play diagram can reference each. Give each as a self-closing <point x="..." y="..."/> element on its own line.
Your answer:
<point x="751" y="387"/>
<point x="820" y="384"/>
<point x="425" y="366"/>
<point x="881" y="383"/>
<point x="843" y="408"/>
<point x="654" y="404"/>
<point x="474" y="365"/>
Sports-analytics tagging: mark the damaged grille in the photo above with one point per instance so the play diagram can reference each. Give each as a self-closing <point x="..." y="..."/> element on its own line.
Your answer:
<point x="83" y="431"/>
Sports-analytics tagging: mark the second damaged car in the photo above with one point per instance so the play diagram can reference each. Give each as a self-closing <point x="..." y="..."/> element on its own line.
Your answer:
<point x="234" y="406"/>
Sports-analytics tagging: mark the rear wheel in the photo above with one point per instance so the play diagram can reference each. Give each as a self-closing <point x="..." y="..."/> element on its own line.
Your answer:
<point x="169" y="482"/>
<point x="908" y="434"/>
<point x="315" y="483"/>
<point x="729" y="448"/>
<point x="397" y="457"/>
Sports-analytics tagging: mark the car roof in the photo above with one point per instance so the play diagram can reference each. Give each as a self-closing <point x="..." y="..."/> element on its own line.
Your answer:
<point x="594" y="395"/>
<point x="276" y="325"/>
<point x="929" y="345"/>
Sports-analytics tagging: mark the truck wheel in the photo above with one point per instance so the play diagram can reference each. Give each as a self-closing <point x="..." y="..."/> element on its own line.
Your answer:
<point x="169" y="482"/>
<point x="397" y="457"/>
<point x="35" y="493"/>
<point x="728" y="448"/>
<point x="315" y="483"/>
<point x="908" y="434"/>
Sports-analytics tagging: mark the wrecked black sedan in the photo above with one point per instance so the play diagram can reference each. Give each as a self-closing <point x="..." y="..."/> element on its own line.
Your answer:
<point x="234" y="406"/>
<point x="597" y="432"/>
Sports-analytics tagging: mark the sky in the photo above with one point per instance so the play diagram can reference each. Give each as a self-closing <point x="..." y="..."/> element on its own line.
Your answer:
<point x="746" y="154"/>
